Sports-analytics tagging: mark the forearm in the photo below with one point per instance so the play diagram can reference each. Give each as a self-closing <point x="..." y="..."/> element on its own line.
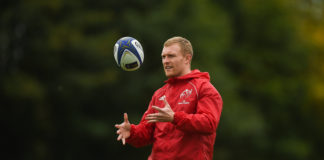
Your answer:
<point x="205" y="119"/>
<point x="140" y="136"/>
<point x="197" y="123"/>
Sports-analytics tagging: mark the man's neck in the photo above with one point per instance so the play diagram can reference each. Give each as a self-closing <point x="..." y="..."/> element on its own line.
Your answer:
<point x="187" y="71"/>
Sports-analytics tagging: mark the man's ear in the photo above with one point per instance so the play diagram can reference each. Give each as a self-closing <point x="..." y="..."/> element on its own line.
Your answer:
<point x="188" y="58"/>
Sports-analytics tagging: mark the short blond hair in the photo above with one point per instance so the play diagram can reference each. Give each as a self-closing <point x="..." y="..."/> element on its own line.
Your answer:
<point x="184" y="44"/>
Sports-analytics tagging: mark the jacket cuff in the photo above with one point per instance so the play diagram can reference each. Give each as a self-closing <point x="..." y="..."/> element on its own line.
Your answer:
<point x="177" y="117"/>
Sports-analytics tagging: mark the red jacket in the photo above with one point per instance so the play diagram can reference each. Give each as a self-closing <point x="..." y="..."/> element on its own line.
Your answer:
<point x="191" y="135"/>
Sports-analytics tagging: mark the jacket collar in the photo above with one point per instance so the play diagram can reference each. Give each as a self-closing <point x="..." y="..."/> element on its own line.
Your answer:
<point x="193" y="74"/>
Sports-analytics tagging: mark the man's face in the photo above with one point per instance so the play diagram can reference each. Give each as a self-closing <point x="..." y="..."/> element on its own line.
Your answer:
<point x="174" y="62"/>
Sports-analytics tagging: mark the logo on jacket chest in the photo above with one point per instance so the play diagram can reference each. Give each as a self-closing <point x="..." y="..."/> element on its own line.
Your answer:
<point x="184" y="96"/>
<point x="162" y="98"/>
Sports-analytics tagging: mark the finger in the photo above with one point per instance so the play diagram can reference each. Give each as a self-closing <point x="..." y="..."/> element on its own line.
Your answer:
<point x="123" y="139"/>
<point x="118" y="131"/>
<point x="119" y="137"/>
<point x="126" y="118"/>
<point x="165" y="101"/>
<point x="117" y="126"/>
<point x="152" y="121"/>
<point x="152" y="115"/>
<point x="150" y="118"/>
<point x="157" y="108"/>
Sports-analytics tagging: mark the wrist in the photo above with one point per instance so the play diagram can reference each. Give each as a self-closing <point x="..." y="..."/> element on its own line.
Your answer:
<point x="178" y="116"/>
<point x="172" y="117"/>
<point x="131" y="131"/>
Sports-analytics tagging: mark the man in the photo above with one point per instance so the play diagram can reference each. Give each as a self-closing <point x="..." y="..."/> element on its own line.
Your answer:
<point x="183" y="115"/>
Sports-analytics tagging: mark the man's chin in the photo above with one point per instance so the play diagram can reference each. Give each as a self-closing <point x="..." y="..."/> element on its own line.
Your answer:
<point x="168" y="74"/>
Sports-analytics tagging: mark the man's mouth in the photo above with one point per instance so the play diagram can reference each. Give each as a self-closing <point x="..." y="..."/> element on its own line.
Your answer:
<point x="167" y="67"/>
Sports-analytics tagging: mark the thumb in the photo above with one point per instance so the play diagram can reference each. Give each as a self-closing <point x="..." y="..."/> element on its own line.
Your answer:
<point x="126" y="118"/>
<point x="166" y="102"/>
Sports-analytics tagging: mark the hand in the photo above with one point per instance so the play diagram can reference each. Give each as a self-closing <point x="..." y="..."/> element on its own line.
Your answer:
<point x="165" y="114"/>
<point x="123" y="129"/>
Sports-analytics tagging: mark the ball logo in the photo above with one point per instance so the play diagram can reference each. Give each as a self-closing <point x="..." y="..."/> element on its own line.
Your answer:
<point x="138" y="45"/>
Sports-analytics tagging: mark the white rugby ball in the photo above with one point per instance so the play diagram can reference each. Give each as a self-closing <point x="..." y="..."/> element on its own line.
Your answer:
<point x="128" y="53"/>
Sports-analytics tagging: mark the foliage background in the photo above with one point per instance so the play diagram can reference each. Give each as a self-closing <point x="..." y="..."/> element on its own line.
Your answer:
<point x="61" y="91"/>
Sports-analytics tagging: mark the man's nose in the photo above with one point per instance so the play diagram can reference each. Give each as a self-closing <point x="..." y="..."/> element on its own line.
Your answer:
<point x="165" y="60"/>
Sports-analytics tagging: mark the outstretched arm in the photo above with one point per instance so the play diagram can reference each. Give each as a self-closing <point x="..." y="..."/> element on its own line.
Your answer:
<point x="136" y="135"/>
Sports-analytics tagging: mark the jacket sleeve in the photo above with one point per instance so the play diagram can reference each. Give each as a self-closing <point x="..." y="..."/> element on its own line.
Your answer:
<point x="206" y="118"/>
<point x="142" y="134"/>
